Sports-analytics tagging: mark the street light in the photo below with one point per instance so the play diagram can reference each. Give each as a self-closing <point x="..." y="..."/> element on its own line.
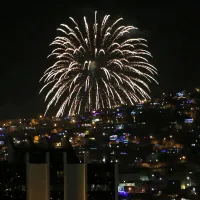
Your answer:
<point x="190" y="182"/>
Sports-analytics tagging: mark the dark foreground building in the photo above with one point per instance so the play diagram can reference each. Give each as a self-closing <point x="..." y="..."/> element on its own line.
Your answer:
<point x="42" y="172"/>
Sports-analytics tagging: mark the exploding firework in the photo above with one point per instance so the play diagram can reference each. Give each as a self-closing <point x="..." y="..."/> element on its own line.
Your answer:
<point x="97" y="67"/>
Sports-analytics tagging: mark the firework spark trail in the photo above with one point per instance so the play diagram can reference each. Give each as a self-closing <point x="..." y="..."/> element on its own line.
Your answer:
<point x="98" y="67"/>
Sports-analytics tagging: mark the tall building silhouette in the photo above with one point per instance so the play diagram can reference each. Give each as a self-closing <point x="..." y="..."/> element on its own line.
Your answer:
<point x="77" y="181"/>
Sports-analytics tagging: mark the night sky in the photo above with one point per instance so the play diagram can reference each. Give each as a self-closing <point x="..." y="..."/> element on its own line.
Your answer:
<point x="173" y="32"/>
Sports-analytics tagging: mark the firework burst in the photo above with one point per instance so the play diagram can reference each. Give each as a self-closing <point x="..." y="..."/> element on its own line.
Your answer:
<point x="97" y="67"/>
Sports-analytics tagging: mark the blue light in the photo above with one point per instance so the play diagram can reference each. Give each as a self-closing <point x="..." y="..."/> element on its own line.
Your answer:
<point x="113" y="137"/>
<point x="119" y="114"/>
<point x="123" y="193"/>
<point x="133" y="113"/>
<point x="188" y="121"/>
<point x="180" y="94"/>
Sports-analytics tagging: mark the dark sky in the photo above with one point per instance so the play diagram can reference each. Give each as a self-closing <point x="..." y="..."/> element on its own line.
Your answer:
<point x="173" y="32"/>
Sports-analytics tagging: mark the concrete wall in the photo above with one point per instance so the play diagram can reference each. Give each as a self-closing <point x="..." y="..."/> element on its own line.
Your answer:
<point x="38" y="181"/>
<point x="75" y="182"/>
